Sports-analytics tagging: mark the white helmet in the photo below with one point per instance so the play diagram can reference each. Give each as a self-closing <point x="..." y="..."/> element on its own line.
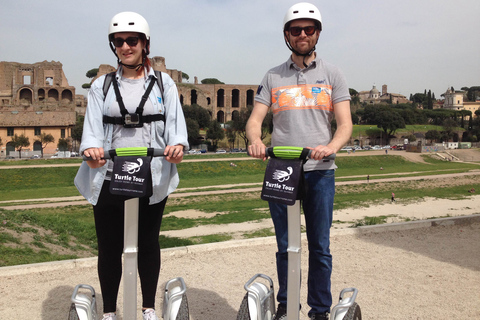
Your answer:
<point x="128" y="22"/>
<point x="302" y="10"/>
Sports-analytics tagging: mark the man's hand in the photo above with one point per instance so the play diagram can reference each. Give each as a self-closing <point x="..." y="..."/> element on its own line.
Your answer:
<point x="174" y="154"/>
<point x="96" y="154"/>
<point x="257" y="150"/>
<point x="320" y="152"/>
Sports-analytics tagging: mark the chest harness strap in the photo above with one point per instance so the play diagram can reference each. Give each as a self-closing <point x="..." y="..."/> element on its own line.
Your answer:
<point x="137" y="119"/>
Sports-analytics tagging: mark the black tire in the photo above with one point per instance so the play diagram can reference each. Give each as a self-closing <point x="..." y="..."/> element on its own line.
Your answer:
<point x="353" y="313"/>
<point x="72" y="313"/>
<point x="243" y="313"/>
<point x="183" y="312"/>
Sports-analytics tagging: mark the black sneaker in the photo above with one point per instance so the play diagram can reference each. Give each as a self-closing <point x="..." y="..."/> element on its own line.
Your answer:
<point x="281" y="313"/>
<point x="319" y="316"/>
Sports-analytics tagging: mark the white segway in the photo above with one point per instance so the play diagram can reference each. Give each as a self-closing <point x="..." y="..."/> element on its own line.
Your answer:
<point x="253" y="307"/>
<point x="175" y="304"/>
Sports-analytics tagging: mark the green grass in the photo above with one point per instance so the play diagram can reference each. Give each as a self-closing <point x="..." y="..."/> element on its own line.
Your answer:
<point x="29" y="236"/>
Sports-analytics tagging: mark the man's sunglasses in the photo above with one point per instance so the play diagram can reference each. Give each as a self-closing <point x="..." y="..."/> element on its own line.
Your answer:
<point x="296" y="31"/>
<point x="131" y="41"/>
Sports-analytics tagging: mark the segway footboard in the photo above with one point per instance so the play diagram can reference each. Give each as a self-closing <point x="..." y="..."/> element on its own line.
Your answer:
<point x="175" y="303"/>
<point x="347" y="308"/>
<point x="259" y="301"/>
<point x="84" y="305"/>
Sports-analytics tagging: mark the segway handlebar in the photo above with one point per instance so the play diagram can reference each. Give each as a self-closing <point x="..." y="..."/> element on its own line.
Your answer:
<point x="135" y="151"/>
<point x="293" y="153"/>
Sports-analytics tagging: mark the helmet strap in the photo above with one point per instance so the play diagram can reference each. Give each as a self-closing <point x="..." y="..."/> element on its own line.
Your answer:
<point x="304" y="55"/>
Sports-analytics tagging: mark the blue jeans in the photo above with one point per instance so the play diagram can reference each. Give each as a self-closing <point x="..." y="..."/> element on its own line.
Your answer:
<point x="318" y="211"/>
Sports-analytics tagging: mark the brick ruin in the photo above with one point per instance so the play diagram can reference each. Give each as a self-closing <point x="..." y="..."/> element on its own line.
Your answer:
<point x="36" y="98"/>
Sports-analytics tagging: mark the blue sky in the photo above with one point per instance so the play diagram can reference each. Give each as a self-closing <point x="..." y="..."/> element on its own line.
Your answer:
<point x="410" y="45"/>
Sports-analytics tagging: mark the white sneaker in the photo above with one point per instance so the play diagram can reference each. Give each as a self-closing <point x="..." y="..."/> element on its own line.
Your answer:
<point x="109" y="316"/>
<point x="149" y="314"/>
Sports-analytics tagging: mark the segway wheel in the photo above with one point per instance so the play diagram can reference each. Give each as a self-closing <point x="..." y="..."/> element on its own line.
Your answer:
<point x="353" y="313"/>
<point x="72" y="313"/>
<point x="243" y="312"/>
<point x="183" y="312"/>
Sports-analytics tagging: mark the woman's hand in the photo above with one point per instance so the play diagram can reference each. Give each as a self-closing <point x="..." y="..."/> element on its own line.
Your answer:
<point x="96" y="154"/>
<point x="174" y="154"/>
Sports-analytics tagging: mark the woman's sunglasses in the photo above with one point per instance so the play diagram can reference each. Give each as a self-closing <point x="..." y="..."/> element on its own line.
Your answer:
<point x="296" y="31"/>
<point x="131" y="41"/>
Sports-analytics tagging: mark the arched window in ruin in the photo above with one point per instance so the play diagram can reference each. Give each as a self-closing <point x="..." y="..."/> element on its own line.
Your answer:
<point x="67" y="95"/>
<point x="220" y="98"/>
<point x="25" y="96"/>
<point x="53" y="95"/>
<point x="41" y="94"/>
<point x="235" y="98"/>
<point x="250" y="97"/>
<point x="235" y="115"/>
<point x="181" y="99"/>
<point x="209" y="101"/>
<point x="193" y="96"/>
<point x="221" y="116"/>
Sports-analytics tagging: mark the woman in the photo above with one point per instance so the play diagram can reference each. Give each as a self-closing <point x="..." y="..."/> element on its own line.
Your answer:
<point x="105" y="128"/>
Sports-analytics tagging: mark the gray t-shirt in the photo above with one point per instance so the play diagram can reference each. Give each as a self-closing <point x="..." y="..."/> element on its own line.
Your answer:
<point x="302" y="103"/>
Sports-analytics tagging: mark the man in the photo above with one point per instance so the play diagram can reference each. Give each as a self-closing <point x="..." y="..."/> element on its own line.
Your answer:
<point x="304" y="94"/>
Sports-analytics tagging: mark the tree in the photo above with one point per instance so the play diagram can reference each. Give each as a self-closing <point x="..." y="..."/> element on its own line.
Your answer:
<point x="63" y="144"/>
<point x="20" y="142"/>
<point x="185" y="76"/>
<point x="215" y="133"/>
<point x="390" y="121"/>
<point x="211" y="81"/>
<point x="239" y="124"/>
<point x="193" y="131"/>
<point x="433" y="135"/>
<point x="197" y="113"/>
<point x="77" y="131"/>
<point x="44" y="139"/>
<point x="231" y="134"/>
<point x="92" y="73"/>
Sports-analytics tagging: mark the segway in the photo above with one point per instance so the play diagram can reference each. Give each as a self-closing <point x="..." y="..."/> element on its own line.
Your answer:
<point x="175" y="304"/>
<point x="258" y="302"/>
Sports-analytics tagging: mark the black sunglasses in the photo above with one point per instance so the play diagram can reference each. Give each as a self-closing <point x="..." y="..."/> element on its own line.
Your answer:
<point x="131" y="41"/>
<point x="296" y="31"/>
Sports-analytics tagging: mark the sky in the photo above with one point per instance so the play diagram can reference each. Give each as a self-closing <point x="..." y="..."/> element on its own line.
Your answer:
<point x="409" y="45"/>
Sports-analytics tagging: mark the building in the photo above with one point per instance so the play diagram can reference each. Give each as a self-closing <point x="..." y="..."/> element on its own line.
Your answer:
<point x="375" y="97"/>
<point x="454" y="100"/>
<point x="34" y="99"/>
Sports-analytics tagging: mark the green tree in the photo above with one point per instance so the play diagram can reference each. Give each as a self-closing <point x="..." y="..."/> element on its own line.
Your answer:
<point x="45" y="139"/>
<point x="20" y="142"/>
<point x="433" y="135"/>
<point x="215" y="133"/>
<point x="240" y="123"/>
<point x="63" y="144"/>
<point x="92" y="73"/>
<point x="185" y="76"/>
<point x="231" y="134"/>
<point x="211" y="81"/>
<point x="77" y="131"/>
<point x="193" y="131"/>
<point x="197" y="113"/>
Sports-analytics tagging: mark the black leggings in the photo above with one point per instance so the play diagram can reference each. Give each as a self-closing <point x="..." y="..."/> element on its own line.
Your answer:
<point x="109" y="224"/>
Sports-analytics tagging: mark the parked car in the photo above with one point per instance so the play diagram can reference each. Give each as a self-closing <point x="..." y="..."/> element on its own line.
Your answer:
<point x="35" y="156"/>
<point x="221" y="151"/>
<point x="192" y="151"/>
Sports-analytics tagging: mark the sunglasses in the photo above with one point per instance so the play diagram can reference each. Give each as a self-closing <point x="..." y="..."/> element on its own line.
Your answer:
<point x="296" y="31"/>
<point x="131" y="41"/>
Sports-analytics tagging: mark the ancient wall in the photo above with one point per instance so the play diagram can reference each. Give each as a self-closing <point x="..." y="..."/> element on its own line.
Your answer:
<point x="35" y="98"/>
